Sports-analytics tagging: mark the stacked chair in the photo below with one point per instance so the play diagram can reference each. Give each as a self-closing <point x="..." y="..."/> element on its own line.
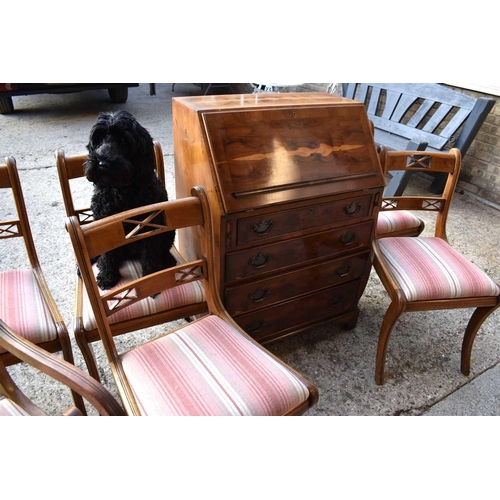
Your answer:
<point x="184" y="302"/>
<point x="427" y="273"/>
<point x="26" y="303"/>
<point x="208" y="367"/>
<point x="13" y="402"/>
<point x="393" y="222"/>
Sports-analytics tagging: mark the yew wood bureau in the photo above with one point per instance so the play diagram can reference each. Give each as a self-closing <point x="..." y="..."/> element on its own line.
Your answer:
<point x="294" y="184"/>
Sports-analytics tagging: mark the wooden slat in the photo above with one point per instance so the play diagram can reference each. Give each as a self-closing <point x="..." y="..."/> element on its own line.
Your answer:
<point x="396" y="142"/>
<point x="421" y="112"/>
<point x="374" y="99"/>
<point x="437" y="118"/>
<point x="455" y="123"/>
<point x="391" y="101"/>
<point x="434" y="141"/>
<point x="363" y="90"/>
<point x="404" y="103"/>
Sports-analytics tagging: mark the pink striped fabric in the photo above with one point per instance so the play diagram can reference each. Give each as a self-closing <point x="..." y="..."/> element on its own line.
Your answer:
<point x="22" y="306"/>
<point x="189" y="293"/>
<point x="397" y="220"/>
<point x="10" y="409"/>
<point x="429" y="269"/>
<point x="209" y="368"/>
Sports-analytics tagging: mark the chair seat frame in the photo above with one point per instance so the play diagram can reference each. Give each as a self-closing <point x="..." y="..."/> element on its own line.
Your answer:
<point x="484" y="306"/>
<point x="186" y="212"/>
<point x="9" y="178"/>
<point x="72" y="167"/>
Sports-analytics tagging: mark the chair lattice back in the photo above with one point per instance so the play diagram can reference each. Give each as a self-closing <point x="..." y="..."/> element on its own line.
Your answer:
<point x="70" y="168"/>
<point x="20" y="227"/>
<point x="448" y="163"/>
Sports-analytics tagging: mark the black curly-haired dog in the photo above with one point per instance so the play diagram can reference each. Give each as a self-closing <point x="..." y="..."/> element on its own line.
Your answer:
<point x="121" y="165"/>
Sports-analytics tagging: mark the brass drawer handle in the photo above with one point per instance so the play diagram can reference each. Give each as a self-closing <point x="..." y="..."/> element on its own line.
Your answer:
<point x="263" y="227"/>
<point x="348" y="238"/>
<point x="343" y="270"/>
<point x="335" y="299"/>
<point x="255" y="326"/>
<point x="260" y="260"/>
<point x="259" y="295"/>
<point x="353" y="208"/>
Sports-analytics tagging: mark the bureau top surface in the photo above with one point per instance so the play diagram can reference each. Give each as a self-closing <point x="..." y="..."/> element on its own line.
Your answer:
<point x="275" y="148"/>
<point x="263" y="100"/>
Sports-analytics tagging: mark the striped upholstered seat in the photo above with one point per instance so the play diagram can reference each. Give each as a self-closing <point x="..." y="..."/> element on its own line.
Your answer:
<point x="398" y="222"/>
<point x="430" y="269"/>
<point x="22" y="306"/>
<point x="209" y="368"/>
<point x="189" y="293"/>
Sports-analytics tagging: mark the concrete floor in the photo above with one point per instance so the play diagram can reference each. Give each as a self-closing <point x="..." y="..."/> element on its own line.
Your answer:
<point x="423" y="362"/>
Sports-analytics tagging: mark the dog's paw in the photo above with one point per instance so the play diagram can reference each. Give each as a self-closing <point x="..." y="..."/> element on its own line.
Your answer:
<point x="107" y="281"/>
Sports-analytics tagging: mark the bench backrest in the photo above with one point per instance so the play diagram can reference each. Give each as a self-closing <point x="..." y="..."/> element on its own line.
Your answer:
<point x="421" y="112"/>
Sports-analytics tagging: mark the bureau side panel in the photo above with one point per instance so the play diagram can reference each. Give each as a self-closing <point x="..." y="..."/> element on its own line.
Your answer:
<point x="193" y="168"/>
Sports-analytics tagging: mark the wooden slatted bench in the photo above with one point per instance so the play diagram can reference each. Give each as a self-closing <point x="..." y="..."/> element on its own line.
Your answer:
<point x="420" y="116"/>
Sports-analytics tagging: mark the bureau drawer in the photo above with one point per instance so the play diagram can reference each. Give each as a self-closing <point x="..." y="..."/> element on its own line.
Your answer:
<point x="266" y="258"/>
<point x="301" y="312"/>
<point x="244" y="298"/>
<point x="258" y="228"/>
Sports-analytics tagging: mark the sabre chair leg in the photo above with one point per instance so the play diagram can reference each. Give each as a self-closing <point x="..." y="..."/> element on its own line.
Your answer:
<point x="88" y="354"/>
<point x="67" y="353"/>
<point x="475" y="322"/>
<point x="391" y="316"/>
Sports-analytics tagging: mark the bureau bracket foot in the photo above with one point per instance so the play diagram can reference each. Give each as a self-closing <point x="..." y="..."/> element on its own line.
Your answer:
<point x="349" y="321"/>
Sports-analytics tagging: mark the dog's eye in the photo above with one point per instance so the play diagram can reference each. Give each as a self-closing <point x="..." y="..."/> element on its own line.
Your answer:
<point x="126" y="140"/>
<point x="97" y="137"/>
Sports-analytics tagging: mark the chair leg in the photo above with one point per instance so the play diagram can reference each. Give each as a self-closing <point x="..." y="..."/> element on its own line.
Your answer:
<point x="475" y="322"/>
<point x="88" y="354"/>
<point x="391" y="316"/>
<point x="67" y="353"/>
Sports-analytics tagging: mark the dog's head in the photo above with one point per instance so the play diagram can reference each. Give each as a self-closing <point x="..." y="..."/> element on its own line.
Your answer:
<point x="121" y="151"/>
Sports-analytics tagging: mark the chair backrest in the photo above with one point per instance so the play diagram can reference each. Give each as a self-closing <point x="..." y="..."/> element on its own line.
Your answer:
<point x="97" y="237"/>
<point x="72" y="167"/>
<point x="20" y="227"/>
<point x="17" y="403"/>
<point x="429" y="162"/>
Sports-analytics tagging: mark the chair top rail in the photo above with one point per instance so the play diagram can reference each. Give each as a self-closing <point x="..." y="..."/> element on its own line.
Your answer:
<point x="133" y="225"/>
<point x="421" y="160"/>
